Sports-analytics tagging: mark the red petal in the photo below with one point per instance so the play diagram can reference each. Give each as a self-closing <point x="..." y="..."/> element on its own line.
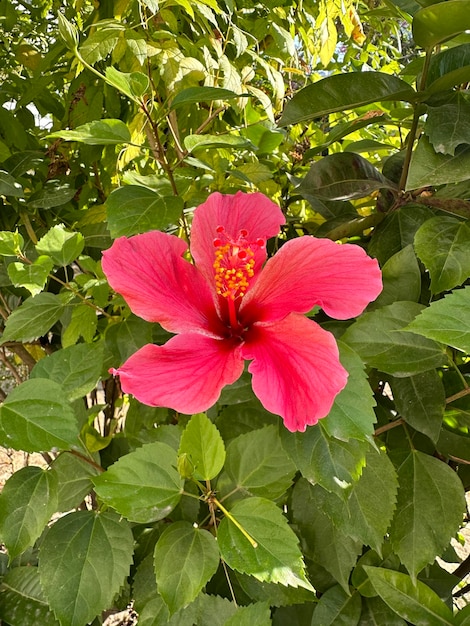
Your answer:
<point x="306" y="272"/>
<point x="159" y="285"/>
<point x="253" y="212"/>
<point x="296" y="369"/>
<point x="187" y="374"/>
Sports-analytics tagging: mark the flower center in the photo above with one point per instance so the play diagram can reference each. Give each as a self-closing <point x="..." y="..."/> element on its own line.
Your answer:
<point x="234" y="263"/>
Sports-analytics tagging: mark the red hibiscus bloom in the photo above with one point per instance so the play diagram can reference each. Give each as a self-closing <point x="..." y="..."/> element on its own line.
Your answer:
<point x="228" y="307"/>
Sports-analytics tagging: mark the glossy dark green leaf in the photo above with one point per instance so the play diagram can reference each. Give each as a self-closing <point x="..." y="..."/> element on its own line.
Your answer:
<point x="22" y="601"/>
<point x="144" y="485"/>
<point x="421" y="401"/>
<point x="76" y="368"/>
<point x="54" y="193"/>
<point x="342" y="92"/>
<point x="429" y="490"/>
<point x="192" y="95"/>
<point x="330" y="462"/>
<point x="443" y="245"/>
<point x="36" y="417"/>
<point x="378" y="337"/>
<point x="449" y="68"/>
<point x="401" y="278"/>
<point x="337" y="608"/>
<point x="414" y="602"/>
<point x="447" y="126"/>
<point x="375" y="612"/>
<point x="97" y="133"/>
<point x="9" y="186"/>
<point x="134" y="209"/>
<point x="342" y="176"/>
<point x="204" y="447"/>
<point x="34" y="318"/>
<point x="27" y="502"/>
<point x="258" y="464"/>
<point x="185" y="559"/>
<point x="440" y="22"/>
<point x="429" y="168"/>
<point x="276" y="557"/>
<point x="83" y="561"/>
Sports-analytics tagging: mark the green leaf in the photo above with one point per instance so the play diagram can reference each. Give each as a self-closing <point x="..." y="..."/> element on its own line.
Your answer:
<point x="325" y="541"/>
<point x="54" y="193"/>
<point x="429" y="490"/>
<point x="98" y="133"/>
<point x="11" y="243"/>
<point x="352" y="414"/>
<point x="449" y="68"/>
<point x="144" y="485"/>
<point x="32" y="277"/>
<point x="429" y="168"/>
<point x="199" y="142"/>
<point x="134" y="84"/>
<point x="61" y="245"/>
<point x="446" y="320"/>
<point x="322" y="459"/>
<point x="202" y="442"/>
<point x="274" y="595"/>
<point x="193" y="95"/>
<point x="36" y="417"/>
<point x="378" y="337"/>
<point x="83" y="561"/>
<point x="447" y="126"/>
<point x="74" y="475"/>
<point x="33" y="318"/>
<point x="375" y="612"/>
<point x="421" y="401"/>
<point x="27" y="501"/>
<point x="9" y="186"/>
<point x="83" y="323"/>
<point x="401" y="279"/>
<point x="443" y="245"/>
<point x="277" y="557"/>
<point x="134" y="209"/>
<point x="342" y="176"/>
<point x="22" y="601"/>
<point x="414" y="602"/>
<point x="76" y="368"/>
<point x="257" y="463"/>
<point x="68" y="32"/>
<point x="440" y="22"/>
<point x="258" y="613"/>
<point x="185" y="559"/>
<point x="341" y="92"/>
<point x="337" y="608"/>
<point x="372" y="501"/>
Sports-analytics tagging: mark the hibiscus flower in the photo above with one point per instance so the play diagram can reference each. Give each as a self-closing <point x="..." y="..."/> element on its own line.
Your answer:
<point x="232" y="305"/>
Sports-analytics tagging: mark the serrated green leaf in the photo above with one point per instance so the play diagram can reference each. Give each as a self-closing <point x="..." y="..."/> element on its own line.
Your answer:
<point x="325" y="542"/>
<point x="274" y="595"/>
<point x="36" y="417"/>
<point x="22" y="600"/>
<point x="97" y="133"/>
<point x="337" y="608"/>
<point x="61" y="245"/>
<point x="438" y="22"/>
<point x="258" y="613"/>
<point x="447" y="125"/>
<point x="9" y="186"/>
<point x="202" y="443"/>
<point x="10" y="243"/>
<point x="446" y="320"/>
<point x="33" y="318"/>
<point x="277" y="557"/>
<point x="381" y="341"/>
<point x="185" y="559"/>
<point x="429" y="490"/>
<point x="74" y="475"/>
<point x="83" y="561"/>
<point x="33" y="276"/>
<point x="352" y="414"/>
<point x="414" y="602"/>
<point x="257" y="463"/>
<point x="76" y="368"/>
<point x="429" y="168"/>
<point x="342" y="176"/>
<point x="443" y="245"/>
<point x="144" y="485"/>
<point x="83" y="323"/>
<point x="133" y="209"/>
<point x="101" y="42"/>
<point x="421" y="401"/>
<point x="325" y="460"/>
<point x="341" y="92"/>
<point x="27" y="501"/>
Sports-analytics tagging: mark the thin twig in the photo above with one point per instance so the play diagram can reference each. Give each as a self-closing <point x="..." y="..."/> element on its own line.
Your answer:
<point x="389" y="426"/>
